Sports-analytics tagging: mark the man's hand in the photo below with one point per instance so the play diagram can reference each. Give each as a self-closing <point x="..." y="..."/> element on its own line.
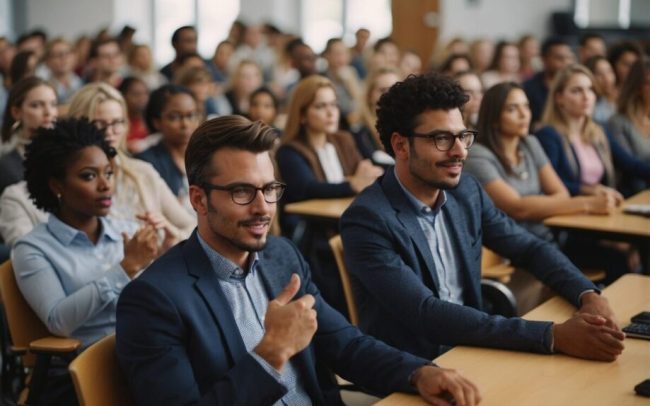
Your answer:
<point x="289" y="326"/>
<point x="588" y="336"/>
<point x="593" y="303"/>
<point x="439" y="386"/>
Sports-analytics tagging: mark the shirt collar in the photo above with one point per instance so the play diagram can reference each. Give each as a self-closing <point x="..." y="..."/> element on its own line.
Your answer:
<point x="420" y="207"/>
<point x="225" y="269"/>
<point x="67" y="234"/>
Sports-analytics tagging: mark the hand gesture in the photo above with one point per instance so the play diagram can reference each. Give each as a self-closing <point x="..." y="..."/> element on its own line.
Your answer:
<point x="588" y="336"/>
<point x="139" y="250"/>
<point x="289" y="325"/>
<point x="160" y="223"/>
<point x="593" y="303"/>
<point x="439" y="386"/>
<point x="602" y="203"/>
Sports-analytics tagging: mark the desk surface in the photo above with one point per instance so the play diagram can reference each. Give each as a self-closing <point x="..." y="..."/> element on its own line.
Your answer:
<point x="324" y="208"/>
<point x="517" y="378"/>
<point x="617" y="222"/>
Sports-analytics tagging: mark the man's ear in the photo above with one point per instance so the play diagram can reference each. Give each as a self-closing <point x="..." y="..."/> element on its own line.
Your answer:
<point x="400" y="146"/>
<point x="199" y="200"/>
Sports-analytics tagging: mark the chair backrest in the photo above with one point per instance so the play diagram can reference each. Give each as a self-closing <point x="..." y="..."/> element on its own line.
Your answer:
<point x="337" y="248"/>
<point x="498" y="299"/>
<point x="97" y="377"/>
<point x="24" y="325"/>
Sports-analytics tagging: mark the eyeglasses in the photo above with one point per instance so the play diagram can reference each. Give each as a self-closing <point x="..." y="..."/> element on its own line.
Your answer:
<point x="445" y="140"/>
<point x="118" y="125"/>
<point x="244" y="193"/>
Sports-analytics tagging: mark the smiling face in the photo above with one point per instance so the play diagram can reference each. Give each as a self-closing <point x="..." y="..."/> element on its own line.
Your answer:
<point x="232" y="229"/>
<point x="515" y="115"/>
<point x="577" y="99"/>
<point x="422" y="168"/>
<point x="87" y="187"/>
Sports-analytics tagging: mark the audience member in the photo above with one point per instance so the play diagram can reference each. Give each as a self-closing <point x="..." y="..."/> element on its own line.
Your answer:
<point x="72" y="269"/>
<point x="410" y="63"/>
<point x="422" y="227"/>
<point x="454" y="64"/>
<point x="471" y="83"/>
<point x="367" y="138"/>
<point x="59" y="59"/>
<point x="529" y="57"/>
<point x="591" y="45"/>
<point x="556" y="54"/>
<point x="481" y="52"/>
<point x="31" y="104"/>
<point x="173" y="112"/>
<point x="140" y="192"/>
<point x="513" y="169"/>
<point x="184" y="41"/>
<point x="505" y="66"/>
<point x="357" y="51"/>
<point x="136" y="96"/>
<point x="22" y="65"/>
<point x="106" y="62"/>
<point x="630" y="127"/>
<point x="263" y="106"/>
<point x="220" y="61"/>
<point x="254" y="49"/>
<point x="140" y="65"/>
<point x="622" y="56"/>
<point x="387" y="53"/>
<point x="245" y="78"/>
<point x="345" y="81"/>
<point x="232" y="316"/>
<point x="605" y="87"/>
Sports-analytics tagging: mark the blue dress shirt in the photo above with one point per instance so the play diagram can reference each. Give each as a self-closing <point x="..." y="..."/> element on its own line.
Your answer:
<point x="248" y="301"/>
<point x="72" y="284"/>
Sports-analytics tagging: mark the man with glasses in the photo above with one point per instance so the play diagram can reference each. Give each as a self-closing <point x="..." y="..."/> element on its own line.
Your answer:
<point x="413" y="239"/>
<point x="231" y="315"/>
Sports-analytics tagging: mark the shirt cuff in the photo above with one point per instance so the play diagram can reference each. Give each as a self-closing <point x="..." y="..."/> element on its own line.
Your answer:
<point x="585" y="292"/>
<point x="267" y="367"/>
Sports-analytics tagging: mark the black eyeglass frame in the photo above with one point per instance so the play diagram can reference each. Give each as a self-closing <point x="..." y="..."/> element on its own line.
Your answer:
<point x="231" y="188"/>
<point x="432" y="136"/>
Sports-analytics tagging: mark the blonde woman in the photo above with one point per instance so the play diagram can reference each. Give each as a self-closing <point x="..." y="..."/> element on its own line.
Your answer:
<point x="140" y="192"/>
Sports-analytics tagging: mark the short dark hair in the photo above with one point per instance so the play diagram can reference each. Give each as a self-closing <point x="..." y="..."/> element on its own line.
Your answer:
<point x="51" y="152"/>
<point x="551" y="43"/>
<point x="618" y="49"/>
<point x="94" y="48"/>
<point x="158" y="99"/>
<point x="177" y="32"/>
<point x="399" y="107"/>
<point x="381" y="41"/>
<point x="222" y="132"/>
<point x="489" y="117"/>
<point x="584" y="38"/>
<point x="266" y="90"/>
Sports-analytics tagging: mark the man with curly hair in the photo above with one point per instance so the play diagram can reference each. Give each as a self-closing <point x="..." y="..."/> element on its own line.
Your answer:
<point x="413" y="239"/>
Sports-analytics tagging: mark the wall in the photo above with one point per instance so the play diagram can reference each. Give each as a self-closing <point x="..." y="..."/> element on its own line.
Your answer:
<point x="69" y="18"/>
<point x="498" y="19"/>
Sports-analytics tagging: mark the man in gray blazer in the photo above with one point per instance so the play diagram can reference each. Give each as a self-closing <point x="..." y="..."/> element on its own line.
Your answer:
<point x="412" y="243"/>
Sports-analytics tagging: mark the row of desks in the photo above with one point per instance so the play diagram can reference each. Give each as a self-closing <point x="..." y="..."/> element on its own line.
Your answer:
<point x="517" y="378"/>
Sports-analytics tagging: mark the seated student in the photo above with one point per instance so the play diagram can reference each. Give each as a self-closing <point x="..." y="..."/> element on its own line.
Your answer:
<point x="367" y="138"/>
<point x="631" y="126"/>
<point x="136" y="96"/>
<point x="232" y="317"/>
<point x="473" y="87"/>
<point x="140" y="192"/>
<point x="504" y="67"/>
<point x="263" y="106"/>
<point x="605" y="88"/>
<point x="172" y="110"/>
<point x="413" y="241"/>
<point x="515" y="172"/>
<point x="317" y="161"/>
<point x="72" y="269"/>
<point x="31" y="104"/>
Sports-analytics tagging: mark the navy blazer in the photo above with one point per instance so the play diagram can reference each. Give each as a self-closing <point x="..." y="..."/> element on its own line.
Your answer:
<point x="178" y="342"/>
<point x="396" y="284"/>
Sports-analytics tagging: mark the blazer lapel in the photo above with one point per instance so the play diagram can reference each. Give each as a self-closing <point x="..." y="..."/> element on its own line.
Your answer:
<point x="275" y="277"/>
<point x="208" y="286"/>
<point x="406" y="215"/>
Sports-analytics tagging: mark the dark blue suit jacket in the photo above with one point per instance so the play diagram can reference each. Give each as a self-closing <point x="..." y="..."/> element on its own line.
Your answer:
<point x="397" y="286"/>
<point x="178" y="343"/>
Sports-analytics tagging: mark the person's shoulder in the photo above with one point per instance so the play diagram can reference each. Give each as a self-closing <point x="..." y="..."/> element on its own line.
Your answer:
<point x="372" y="196"/>
<point x="152" y="153"/>
<point x="142" y="167"/>
<point x="547" y="131"/>
<point x="279" y="249"/>
<point x="166" y="268"/>
<point x="17" y="191"/>
<point x="480" y="151"/>
<point x="36" y="237"/>
<point x="531" y="142"/>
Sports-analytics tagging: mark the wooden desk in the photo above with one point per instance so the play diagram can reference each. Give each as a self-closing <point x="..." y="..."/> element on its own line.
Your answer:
<point x="322" y="208"/>
<point x="517" y="378"/>
<point x="617" y="225"/>
<point x="617" y="222"/>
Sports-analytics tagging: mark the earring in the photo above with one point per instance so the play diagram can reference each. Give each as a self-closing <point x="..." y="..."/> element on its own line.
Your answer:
<point x="58" y="197"/>
<point x="15" y="126"/>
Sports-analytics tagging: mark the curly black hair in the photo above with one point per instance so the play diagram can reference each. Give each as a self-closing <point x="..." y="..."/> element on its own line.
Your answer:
<point x="51" y="152"/>
<point x="399" y="107"/>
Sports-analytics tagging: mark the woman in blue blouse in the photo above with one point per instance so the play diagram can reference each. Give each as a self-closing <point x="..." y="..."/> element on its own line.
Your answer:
<point x="72" y="268"/>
